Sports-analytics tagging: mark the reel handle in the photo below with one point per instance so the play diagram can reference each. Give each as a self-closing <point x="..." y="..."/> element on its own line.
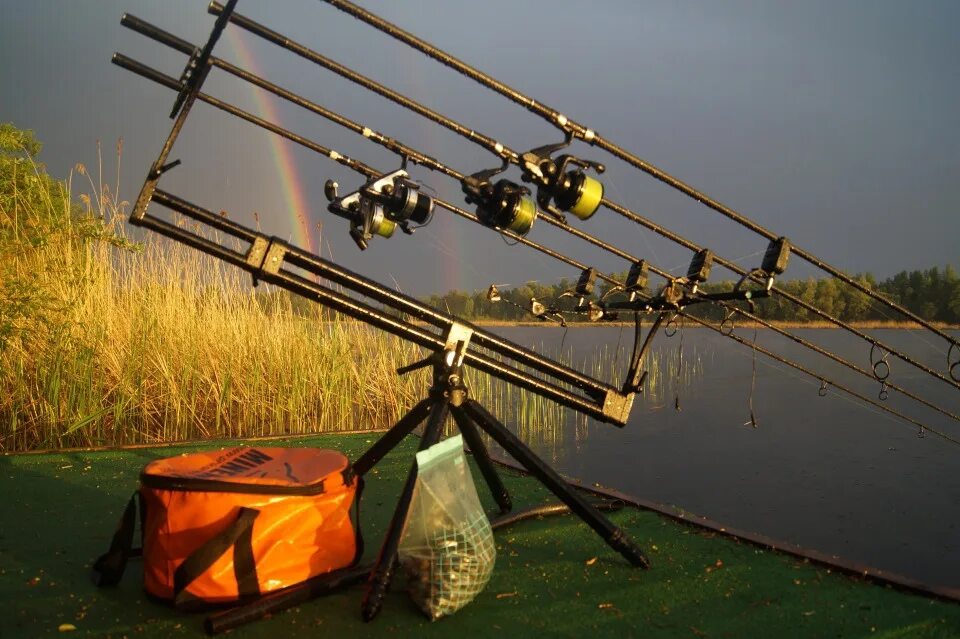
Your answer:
<point x="330" y="190"/>
<point x="357" y="235"/>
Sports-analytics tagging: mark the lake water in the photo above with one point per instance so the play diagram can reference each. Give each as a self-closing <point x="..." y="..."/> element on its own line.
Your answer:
<point x="827" y="473"/>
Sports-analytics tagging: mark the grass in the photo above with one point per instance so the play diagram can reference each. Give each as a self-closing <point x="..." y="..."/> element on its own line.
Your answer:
<point x="165" y="344"/>
<point x="105" y="341"/>
<point x="110" y="342"/>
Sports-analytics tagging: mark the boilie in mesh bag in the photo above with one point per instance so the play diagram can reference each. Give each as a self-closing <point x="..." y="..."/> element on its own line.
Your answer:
<point x="447" y="550"/>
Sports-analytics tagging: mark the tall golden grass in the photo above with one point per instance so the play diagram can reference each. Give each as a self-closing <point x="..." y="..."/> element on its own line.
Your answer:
<point x="128" y="343"/>
<point x="105" y="341"/>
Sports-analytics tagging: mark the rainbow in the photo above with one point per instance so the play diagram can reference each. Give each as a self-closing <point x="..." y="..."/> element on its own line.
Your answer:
<point x="295" y="200"/>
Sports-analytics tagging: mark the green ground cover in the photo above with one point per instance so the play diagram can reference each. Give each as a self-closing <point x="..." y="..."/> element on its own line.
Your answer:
<point x="554" y="577"/>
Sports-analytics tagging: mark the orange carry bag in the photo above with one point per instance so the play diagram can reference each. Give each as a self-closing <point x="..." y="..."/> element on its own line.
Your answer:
<point x="230" y="525"/>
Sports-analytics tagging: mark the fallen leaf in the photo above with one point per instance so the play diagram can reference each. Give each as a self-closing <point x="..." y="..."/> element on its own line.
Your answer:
<point x="66" y="627"/>
<point x="504" y="595"/>
<point x="605" y="605"/>
<point x="591" y="561"/>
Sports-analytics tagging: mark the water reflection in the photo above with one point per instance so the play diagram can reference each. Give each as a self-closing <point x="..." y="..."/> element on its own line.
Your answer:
<point x="825" y="472"/>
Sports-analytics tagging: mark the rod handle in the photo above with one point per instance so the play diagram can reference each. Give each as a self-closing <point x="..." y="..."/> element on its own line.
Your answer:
<point x="380" y="580"/>
<point x="623" y="544"/>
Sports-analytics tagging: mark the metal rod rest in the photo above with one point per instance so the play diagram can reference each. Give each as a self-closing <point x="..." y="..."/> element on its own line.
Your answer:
<point x="512" y="156"/>
<point x="590" y="136"/>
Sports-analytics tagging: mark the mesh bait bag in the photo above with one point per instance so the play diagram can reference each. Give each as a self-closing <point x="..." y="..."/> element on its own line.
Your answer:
<point x="447" y="550"/>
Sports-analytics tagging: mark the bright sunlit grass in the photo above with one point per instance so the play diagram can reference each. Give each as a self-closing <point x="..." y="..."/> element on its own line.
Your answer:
<point x="105" y="341"/>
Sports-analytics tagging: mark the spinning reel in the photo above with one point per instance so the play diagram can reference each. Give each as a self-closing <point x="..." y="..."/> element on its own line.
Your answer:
<point x="500" y="205"/>
<point x="570" y="190"/>
<point x="380" y="206"/>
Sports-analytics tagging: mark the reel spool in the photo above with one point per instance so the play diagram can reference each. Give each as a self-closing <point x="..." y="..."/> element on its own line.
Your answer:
<point x="570" y="190"/>
<point x="508" y="207"/>
<point x="503" y="205"/>
<point x="578" y="193"/>
<point x="380" y="206"/>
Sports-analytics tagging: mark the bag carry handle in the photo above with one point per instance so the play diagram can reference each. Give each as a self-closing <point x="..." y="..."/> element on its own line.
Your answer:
<point x="238" y="536"/>
<point x="108" y="568"/>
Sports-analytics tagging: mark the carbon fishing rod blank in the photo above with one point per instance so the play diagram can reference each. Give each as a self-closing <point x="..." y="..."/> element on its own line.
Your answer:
<point x="775" y="259"/>
<point x="571" y="129"/>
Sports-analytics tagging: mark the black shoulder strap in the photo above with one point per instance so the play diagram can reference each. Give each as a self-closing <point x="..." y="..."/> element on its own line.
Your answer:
<point x="238" y="536"/>
<point x="108" y="568"/>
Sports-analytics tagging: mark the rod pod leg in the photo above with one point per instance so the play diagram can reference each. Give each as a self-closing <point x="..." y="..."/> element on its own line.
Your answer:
<point x="382" y="572"/>
<point x="480" y="454"/>
<point x="611" y="534"/>
<point x="389" y="440"/>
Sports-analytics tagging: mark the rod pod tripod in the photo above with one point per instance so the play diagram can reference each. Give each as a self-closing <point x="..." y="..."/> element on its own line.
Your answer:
<point x="448" y="395"/>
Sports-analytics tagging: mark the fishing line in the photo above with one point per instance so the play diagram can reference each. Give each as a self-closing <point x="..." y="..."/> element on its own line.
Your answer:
<point x="837" y="385"/>
<point x="676" y="390"/>
<point x="611" y="184"/>
<point x="591" y="137"/>
<point x="510" y="156"/>
<point x="821" y="351"/>
<point x="753" y="379"/>
<point x="854" y="401"/>
<point x="914" y="334"/>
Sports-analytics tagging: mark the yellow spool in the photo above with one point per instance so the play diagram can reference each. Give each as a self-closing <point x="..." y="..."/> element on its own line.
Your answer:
<point x="591" y="192"/>
<point x="386" y="228"/>
<point x="526" y="214"/>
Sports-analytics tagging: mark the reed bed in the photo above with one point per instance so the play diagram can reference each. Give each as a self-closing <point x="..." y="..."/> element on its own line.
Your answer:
<point x="550" y="427"/>
<point x="166" y="344"/>
<point x="109" y="342"/>
<point x="105" y="341"/>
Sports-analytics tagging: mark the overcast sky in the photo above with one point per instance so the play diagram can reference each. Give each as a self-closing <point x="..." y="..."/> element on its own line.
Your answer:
<point x="830" y="121"/>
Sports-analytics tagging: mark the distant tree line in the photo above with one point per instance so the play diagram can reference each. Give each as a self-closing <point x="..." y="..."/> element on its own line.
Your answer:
<point x="933" y="294"/>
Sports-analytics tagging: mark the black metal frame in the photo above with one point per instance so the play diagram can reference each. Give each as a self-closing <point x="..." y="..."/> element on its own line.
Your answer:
<point x="641" y="304"/>
<point x="589" y="136"/>
<point x="448" y="395"/>
<point x="272" y="260"/>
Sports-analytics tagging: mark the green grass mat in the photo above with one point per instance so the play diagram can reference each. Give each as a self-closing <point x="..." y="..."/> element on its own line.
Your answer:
<point x="554" y="577"/>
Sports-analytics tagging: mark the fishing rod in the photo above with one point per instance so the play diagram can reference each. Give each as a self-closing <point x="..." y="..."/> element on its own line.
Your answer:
<point x="636" y="273"/>
<point x="521" y="213"/>
<point x="590" y="136"/>
<point x="407" y="151"/>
